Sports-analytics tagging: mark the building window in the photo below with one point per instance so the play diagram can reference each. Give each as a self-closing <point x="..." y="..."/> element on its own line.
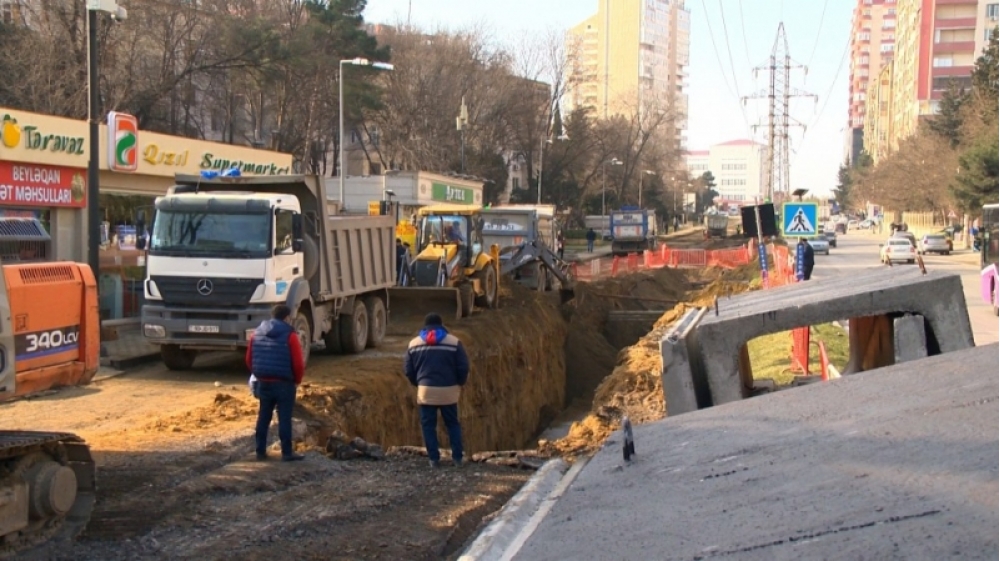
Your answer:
<point x="887" y="48"/>
<point x="942" y="62"/>
<point x="515" y="182"/>
<point x="993" y="11"/>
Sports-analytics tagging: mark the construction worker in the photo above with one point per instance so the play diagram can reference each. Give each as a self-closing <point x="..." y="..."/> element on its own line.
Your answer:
<point x="274" y="356"/>
<point x="436" y="363"/>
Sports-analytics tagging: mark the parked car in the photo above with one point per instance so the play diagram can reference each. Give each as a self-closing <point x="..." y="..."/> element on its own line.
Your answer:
<point x="819" y="244"/>
<point x="898" y="249"/>
<point x="934" y="243"/>
<point x="906" y="235"/>
<point x="853" y="224"/>
<point x="831" y="237"/>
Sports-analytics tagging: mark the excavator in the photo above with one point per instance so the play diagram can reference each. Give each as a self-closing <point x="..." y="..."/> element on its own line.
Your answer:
<point x="452" y="271"/>
<point x="49" y="337"/>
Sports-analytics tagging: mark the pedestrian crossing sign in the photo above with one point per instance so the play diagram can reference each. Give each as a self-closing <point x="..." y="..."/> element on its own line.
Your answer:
<point x="799" y="219"/>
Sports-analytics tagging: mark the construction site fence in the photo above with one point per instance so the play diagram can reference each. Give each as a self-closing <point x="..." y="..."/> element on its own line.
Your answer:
<point x="662" y="256"/>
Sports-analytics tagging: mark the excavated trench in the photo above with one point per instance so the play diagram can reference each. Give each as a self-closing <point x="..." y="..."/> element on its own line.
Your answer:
<point x="535" y="362"/>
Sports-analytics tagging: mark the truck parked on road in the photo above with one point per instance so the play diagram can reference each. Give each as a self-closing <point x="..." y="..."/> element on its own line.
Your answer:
<point x="633" y="230"/>
<point x="225" y="250"/>
<point x="512" y="226"/>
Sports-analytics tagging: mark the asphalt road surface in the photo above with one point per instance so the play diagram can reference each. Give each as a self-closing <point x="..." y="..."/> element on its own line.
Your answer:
<point x="860" y="250"/>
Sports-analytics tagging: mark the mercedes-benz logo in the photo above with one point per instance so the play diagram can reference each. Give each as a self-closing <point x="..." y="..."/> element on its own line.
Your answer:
<point x="204" y="287"/>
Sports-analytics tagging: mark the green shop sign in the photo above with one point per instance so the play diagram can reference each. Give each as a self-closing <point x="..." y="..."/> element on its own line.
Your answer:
<point x="451" y="194"/>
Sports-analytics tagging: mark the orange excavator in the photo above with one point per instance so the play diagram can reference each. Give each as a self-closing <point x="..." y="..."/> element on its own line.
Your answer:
<point x="49" y="337"/>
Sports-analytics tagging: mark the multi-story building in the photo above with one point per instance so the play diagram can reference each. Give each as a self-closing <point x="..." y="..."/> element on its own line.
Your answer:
<point x="631" y="56"/>
<point x="873" y="36"/>
<point x="738" y="168"/>
<point x="937" y="44"/>
<point x="878" y="116"/>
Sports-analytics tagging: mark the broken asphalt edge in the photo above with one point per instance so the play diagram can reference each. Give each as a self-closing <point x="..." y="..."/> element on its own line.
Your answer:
<point x="517" y="520"/>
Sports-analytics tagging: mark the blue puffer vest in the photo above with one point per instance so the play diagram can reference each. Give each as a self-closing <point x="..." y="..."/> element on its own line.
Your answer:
<point x="271" y="357"/>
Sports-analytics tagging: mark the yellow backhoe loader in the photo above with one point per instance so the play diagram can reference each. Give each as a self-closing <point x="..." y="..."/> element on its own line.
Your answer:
<point x="452" y="270"/>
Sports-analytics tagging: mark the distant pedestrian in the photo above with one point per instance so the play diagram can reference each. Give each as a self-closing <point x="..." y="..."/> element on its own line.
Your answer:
<point x="808" y="259"/>
<point x="561" y="245"/>
<point x="274" y="356"/>
<point x="437" y="365"/>
<point x="677" y="223"/>
<point x="401" y="259"/>
<point x="591" y="238"/>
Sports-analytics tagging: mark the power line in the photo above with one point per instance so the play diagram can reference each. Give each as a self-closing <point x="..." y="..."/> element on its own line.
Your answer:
<point x="743" y="28"/>
<point x="829" y="91"/>
<point x="711" y="35"/>
<point x="819" y="33"/>
<point x="732" y="66"/>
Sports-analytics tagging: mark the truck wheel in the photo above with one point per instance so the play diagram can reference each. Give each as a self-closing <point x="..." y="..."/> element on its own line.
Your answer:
<point x="488" y="278"/>
<point x="176" y="358"/>
<point x="354" y="329"/>
<point x="304" y="331"/>
<point x="467" y="297"/>
<point x="332" y="339"/>
<point x="376" y="321"/>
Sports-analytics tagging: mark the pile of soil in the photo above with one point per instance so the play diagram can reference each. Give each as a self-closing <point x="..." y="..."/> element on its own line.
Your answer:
<point x="635" y="387"/>
<point x="589" y="354"/>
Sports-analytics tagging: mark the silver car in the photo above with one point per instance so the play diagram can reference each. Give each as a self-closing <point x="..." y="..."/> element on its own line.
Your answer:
<point x="819" y="244"/>
<point x="934" y="243"/>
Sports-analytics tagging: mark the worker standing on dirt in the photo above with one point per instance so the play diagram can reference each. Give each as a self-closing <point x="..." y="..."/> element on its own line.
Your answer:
<point x="437" y="365"/>
<point x="274" y="356"/>
<point x="591" y="238"/>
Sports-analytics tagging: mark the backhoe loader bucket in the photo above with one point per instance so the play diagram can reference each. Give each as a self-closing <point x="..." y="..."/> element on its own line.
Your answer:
<point x="409" y="304"/>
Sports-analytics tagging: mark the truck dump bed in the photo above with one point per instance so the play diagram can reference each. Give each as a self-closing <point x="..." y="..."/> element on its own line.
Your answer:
<point x="345" y="255"/>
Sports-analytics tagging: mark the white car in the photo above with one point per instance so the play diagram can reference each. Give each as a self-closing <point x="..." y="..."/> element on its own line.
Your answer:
<point x="898" y="249"/>
<point x="819" y="244"/>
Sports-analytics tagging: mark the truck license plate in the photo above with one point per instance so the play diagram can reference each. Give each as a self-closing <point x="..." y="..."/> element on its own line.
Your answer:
<point x="203" y="328"/>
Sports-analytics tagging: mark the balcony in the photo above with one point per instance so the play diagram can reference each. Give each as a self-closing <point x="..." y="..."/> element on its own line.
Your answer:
<point x="955" y="23"/>
<point x="939" y="71"/>
<point x="954" y="47"/>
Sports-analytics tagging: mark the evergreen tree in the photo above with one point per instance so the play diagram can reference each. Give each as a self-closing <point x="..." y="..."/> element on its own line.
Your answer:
<point x="985" y="74"/>
<point x="948" y="122"/>
<point x="977" y="183"/>
<point x="842" y="192"/>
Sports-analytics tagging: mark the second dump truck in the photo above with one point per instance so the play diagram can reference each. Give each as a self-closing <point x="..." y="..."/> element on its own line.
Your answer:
<point x="633" y="230"/>
<point x="225" y="250"/>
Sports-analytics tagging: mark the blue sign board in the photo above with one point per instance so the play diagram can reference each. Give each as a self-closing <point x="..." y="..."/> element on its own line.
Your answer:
<point x="799" y="219"/>
<point x="800" y="262"/>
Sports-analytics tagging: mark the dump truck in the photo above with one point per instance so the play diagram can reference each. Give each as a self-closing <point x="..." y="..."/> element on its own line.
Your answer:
<point x="716" y="225"/>
<point x="49" y="337"/>
<point x="633" y="230"/>
<point x="512" y="226"/>
<point x="225" y="250"/>
<point x="454" y="269"/>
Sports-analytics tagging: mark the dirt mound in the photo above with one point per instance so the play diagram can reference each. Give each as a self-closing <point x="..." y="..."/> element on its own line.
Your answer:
<point x="589" y="354"/>
<point x="225" y="408"/>
<point x="635" y="387"/>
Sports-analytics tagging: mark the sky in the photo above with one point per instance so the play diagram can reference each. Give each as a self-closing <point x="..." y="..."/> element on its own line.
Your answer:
<point x="729" y="38"/>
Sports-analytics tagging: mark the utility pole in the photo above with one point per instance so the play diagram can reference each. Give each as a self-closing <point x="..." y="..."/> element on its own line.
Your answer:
<point x="779" y="92"/>
<point x="460" y="123"/>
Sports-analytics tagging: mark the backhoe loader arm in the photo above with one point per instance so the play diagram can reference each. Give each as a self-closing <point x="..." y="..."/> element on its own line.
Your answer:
<point x="529" y="253"/>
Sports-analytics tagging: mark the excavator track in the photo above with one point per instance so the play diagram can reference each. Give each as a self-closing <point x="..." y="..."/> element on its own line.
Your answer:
<point x="49" y="479"/>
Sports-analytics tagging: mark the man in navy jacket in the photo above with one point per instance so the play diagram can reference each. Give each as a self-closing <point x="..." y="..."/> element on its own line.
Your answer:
<point x="274" y="356"/>
<point x="437" y="365"/>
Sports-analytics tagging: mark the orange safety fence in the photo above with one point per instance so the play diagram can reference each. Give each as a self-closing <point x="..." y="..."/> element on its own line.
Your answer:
<point x="663" y="256"/>
<point x="800" y="350"/>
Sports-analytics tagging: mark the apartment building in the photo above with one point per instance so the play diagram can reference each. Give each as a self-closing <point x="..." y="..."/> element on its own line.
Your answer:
<point x="873" y="38"/>
<point x="632" y="55"/>
<point x="738" y="167"/>
<point x="937" y="43"/>
<point x="878" y="117"/>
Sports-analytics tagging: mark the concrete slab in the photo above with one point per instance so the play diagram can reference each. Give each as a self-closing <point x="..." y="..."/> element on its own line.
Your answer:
<point x="937" y="296"/>
<point x="681" y="389"/>
<point x="909" y="338"/>
<point x="894" y="463"/>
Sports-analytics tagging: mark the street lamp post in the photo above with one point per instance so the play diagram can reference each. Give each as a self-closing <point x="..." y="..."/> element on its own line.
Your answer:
<point x="604" y="184"/>
<point x="340" y="79"/>
<point x="541" y="160"/>
<point x="117" y="13"/>
<point x="644" y="172"/>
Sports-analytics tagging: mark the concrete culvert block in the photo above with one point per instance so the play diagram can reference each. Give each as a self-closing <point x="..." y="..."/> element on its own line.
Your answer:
<point x="909" y="338"/>
<point x="937" y="297"/>
<point x="679" y="374"/>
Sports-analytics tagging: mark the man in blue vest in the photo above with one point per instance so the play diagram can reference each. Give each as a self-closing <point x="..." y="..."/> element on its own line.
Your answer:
<point x="274" y="356"/>
<point x="437" y="365"/>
